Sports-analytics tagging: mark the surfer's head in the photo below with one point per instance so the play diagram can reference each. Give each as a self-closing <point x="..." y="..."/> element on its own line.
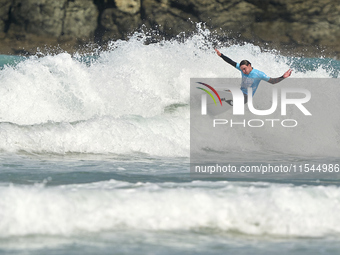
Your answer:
<point x="245" y="66"/>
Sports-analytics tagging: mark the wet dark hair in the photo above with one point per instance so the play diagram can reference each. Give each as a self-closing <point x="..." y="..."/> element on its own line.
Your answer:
<point x="245" y="62"/>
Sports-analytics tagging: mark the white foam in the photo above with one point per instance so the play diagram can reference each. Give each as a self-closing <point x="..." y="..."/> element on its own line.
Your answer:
<point x="255" y="209"/>
<point x="166" y="136"/>
<point x="58" y="104"/>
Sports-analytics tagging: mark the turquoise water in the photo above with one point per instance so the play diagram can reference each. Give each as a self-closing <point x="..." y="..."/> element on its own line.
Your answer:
<point x="94" y="158"/>
<point x="8" y="60"/>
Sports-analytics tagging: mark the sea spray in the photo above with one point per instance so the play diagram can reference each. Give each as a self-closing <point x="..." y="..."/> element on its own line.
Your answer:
<point x="119" y="101"/>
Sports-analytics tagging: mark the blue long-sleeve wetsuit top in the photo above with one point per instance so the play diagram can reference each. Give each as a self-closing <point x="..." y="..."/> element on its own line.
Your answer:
<point x="248" y="80"/>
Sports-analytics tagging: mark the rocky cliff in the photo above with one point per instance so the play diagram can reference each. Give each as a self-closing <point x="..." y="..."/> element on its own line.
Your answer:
<point x="308" y="26"/>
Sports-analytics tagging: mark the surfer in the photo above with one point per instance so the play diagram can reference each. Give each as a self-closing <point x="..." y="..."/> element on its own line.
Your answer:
<point x="251" y="77"/>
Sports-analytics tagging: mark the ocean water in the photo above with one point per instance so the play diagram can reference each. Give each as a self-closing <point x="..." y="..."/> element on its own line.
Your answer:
<point x="94" y="157"/>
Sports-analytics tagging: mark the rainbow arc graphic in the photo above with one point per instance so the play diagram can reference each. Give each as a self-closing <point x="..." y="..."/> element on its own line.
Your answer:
<point x="209" y="93"/>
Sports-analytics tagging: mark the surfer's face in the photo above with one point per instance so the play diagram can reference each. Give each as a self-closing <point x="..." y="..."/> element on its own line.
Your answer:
<point x="246" y="69"/>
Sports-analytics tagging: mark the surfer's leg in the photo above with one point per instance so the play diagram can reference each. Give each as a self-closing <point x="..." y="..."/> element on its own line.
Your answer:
<point x="245" y="98"/>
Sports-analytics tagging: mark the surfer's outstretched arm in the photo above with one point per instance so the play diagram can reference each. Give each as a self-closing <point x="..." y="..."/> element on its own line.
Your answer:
<point x="225" y="58"/>
<point x="285" y="75"/>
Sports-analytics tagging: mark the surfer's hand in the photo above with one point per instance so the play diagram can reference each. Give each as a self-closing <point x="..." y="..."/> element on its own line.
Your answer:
<point x="218" y="53"/>
<point x="287" y="74"/>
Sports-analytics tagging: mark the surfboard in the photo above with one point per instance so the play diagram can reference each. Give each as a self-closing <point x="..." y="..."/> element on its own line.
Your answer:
<point x="216" y="108"/>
